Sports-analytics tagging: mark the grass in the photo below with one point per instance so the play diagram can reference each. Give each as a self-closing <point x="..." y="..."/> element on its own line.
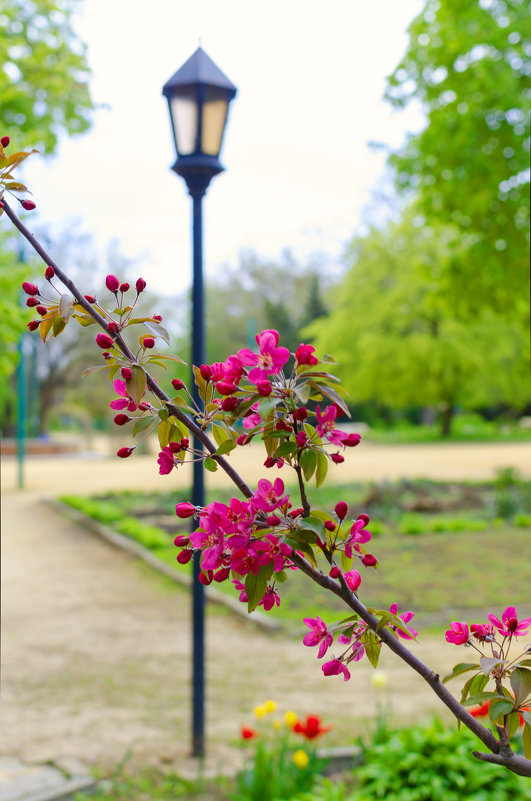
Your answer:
<point x="465" y="428"/>
<point x="436" y="563"/>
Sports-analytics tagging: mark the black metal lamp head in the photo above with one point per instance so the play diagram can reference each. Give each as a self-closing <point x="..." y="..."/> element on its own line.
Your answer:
<point x="198" y="97"/>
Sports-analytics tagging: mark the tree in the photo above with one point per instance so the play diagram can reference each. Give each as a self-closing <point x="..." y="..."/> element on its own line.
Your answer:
<point x="395" y="339"/>
<point x="468" y="64"/>
<point x="44" y="74"/>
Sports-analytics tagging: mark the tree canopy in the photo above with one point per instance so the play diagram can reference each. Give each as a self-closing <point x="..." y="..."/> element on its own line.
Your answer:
<point x="468" y="64"/>
<point x="399" y="345"/>
<point x="43" y="73"/>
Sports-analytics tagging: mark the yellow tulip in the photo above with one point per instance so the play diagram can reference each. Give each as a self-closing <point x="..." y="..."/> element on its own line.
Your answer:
<point x="259" y="711"/>
<point x="270" y="706"/>
<point x="301" y="759"/>
<point x="291" y="718"/>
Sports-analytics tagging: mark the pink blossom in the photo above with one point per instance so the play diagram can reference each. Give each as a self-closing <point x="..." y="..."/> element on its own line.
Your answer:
<point x="406" y="634"/>
<point x="509" y="625"/>
<point x="457" y="634"/>
<point x="126" y="401"/>
<point x="252" y="420"/>
<point x="273" y="551"/>
<point x="482" y="632"/>
<point x="326" y="426"/>
<point x="232" y="369"/>
<point x="184" y="510"/>
<point x="166" y="461"/>
<point x="352" y="579"/>
<point x="318" y="635"/>
<point x="359" y="535"/>
<point x="335" y="668"/>
<point x="270" y="599"/>
<point x="269" y="496"/>
<point x="304" y="354"/>
<point x="243" y="594"/>
<point x="270" y="358"/>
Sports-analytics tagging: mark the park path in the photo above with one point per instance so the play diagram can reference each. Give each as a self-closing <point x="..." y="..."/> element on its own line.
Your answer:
<point x="96" y="648"/>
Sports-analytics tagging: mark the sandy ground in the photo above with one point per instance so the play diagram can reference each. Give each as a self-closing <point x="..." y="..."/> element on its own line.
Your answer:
<point x="96" y="648"/>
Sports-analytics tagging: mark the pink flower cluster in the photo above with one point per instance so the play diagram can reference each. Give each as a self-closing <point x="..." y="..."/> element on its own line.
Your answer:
<point x="351" y="635"/>
<point x="508" y="627"/>
<point x="230" y="539"/>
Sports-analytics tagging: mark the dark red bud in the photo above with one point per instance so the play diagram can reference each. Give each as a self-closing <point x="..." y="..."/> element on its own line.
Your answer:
<point x="177" y="384"/>
<point x="33" y="325"/>
<point x="49" y="273"/>
<point x="184" y="510"/>
<point x="124" y="287"/>
<point x="123" y="453"/>
<point x="184" y="557"/>
<point x="29" y="205"/>
<point x="106" y="354"/>
<point x="185" y="443"/>
<point x="300" y="414"/>
<point x="148" y="342"/>
<point x="157" y="318"/>
<point x="206" y="372"/>
<point x="296" y="513"/>
<point x="181" y="540"/>
<point x="32" y="302"/>
<point x="30" y="289"/>
<point x="104" y="341"/>
<point x="334" y="572"/>
<point x="143" y="406"/>
<point x="341" y="510"/>
<point x="264" y="388"/>
<point x="337" y="458"/>
<point x="140" y="285"/>
<point x="113" y="327"/>
<point x="351" y="440"/>
<point x="273" y="520"/>
<point x="365" y="518"/>
<point x="5" y="140"/>
<point x="243" y="439"/>
<point x="126" y="373"/>
<point x="112" y="283"/>
<point x="42" y="310"/>
<point x="369" y="560"/>
<point x="206" y="578"/>
<point x="121" y="419"/>
<point x="330" y="525"/>
<point x="222" y="574"/>
<point x="229" y="404"/>
<point x="339" y="410"/>
<point x="90" y="298"/>
<point x="281" y="425"/>
<point x="226" y="387"/>
<point x="270" y="461"/>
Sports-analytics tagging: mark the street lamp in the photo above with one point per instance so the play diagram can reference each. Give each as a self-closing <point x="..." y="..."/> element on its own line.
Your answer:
<point x="198" y="96"/>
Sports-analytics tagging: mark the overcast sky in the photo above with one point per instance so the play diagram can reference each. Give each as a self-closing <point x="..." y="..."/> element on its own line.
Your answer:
<point x="310" y="79"/>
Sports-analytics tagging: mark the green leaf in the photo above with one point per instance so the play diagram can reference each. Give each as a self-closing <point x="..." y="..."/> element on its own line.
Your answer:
<point x="526" y="740"/>
<point x="136" y="385"/>
<point x="285" y="449"/>
<point x="322" y="468"/>
<point x="163" y="414"/>
<point x="58" y="325"/>
<point x="255" y="587"/>
<point x="157" y="330"/>
<point x="308" y="462"/>
<point x="303" y="547"/>
<point x="487" y="663"/>
<point x="210" y="464"/>
<point x="478" y="698"/>
<point x="462" y="667"/>
<point x="372" y="647"/>
<point x="513" y="723"/>
<point x="142" y="424"/>
<point x="526" y="714"/>
<point x="226" y="447"/>
<point x="220" y="433"/>
<point x="478" y="683"/>
<point x="91" y="370"/>
<point x="346" y="562"/>
<point x="497" y="709"/>
<point x="521" y="684"/>
<point x="164" y="433"/>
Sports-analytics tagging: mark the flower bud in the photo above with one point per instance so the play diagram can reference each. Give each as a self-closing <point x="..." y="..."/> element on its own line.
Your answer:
<point x="341" y="510"/>
<point x="281" y="425"/>
<point x="112" y="283"/>
<point x="226" y="387"/>
<point x="184" y="557"/>
<point x="34" y="324"/>
<point x="366" y="519"/>
<point x="330" y="525"/>
<point x="181" y="540"/>
<point x="184" y="510"/>
<point x="104" y="341"/>
<point x="126" y="373"/>
<point x="222" y="574"/>
<point x="300" y="414"/>
<point x="121" y="419"/>
<point x="124" y="287"/>
<point x="301" y="439"/>
<point x="335" y="572"/>
<point x="296" y="513"/>
<point x="273" y="520"/>
<point x="32" y="302"/>
<point x="369" y="560"/>
<point x="206" y="578"/>
<point x="157" y="318"/>
<point x="90" y="298"/>
<point x="351" y="440"/>
<point x="352" y="580"/>
<point x="229" y="404"/>
<point x="148" y="342"/>
<point x="177" y="384"/>
<point x="29" y="205"/>
<point x="337" y="458"/>
<point x="113" y="327"/>
<point x="270" y="461"/>
<point x="140" y="285"/>
<point x="339" y="410"/>
<point x="49" y="273"/>
<point x="264" y="388"/>
<point x="243" y="439"/>
<point x="5" y="140"/>
<point x="206" y="372"/>
<point x="30" y="289"/>
<point x="144" y="406"/>
<point x="185" y="443"/>
<point x="123" y="453"/>
<point x="304" y="354"/>
<point x="42" y="310"/>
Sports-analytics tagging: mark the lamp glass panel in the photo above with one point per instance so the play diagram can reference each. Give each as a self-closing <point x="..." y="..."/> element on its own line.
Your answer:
<point x="215" y="106"/>
<point x="185" y="121"/>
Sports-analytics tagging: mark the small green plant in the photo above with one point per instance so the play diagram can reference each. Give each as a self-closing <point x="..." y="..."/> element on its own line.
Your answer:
<point x="149" y="536"/>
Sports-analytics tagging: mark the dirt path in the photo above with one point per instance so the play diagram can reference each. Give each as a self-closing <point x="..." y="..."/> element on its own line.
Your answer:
<point x="96" y="648"/>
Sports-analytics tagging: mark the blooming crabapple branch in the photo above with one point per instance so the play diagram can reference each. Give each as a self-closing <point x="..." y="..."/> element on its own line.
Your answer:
<point x="502" y="753"/>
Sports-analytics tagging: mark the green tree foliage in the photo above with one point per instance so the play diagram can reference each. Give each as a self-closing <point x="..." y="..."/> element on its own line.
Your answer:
<point x="43" y="73"/>
<point x="468" y="64"/>
<point x="397" y="342"/>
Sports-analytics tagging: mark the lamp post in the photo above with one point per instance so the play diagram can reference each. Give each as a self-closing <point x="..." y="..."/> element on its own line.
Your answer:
<point x="198" y="96"/>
